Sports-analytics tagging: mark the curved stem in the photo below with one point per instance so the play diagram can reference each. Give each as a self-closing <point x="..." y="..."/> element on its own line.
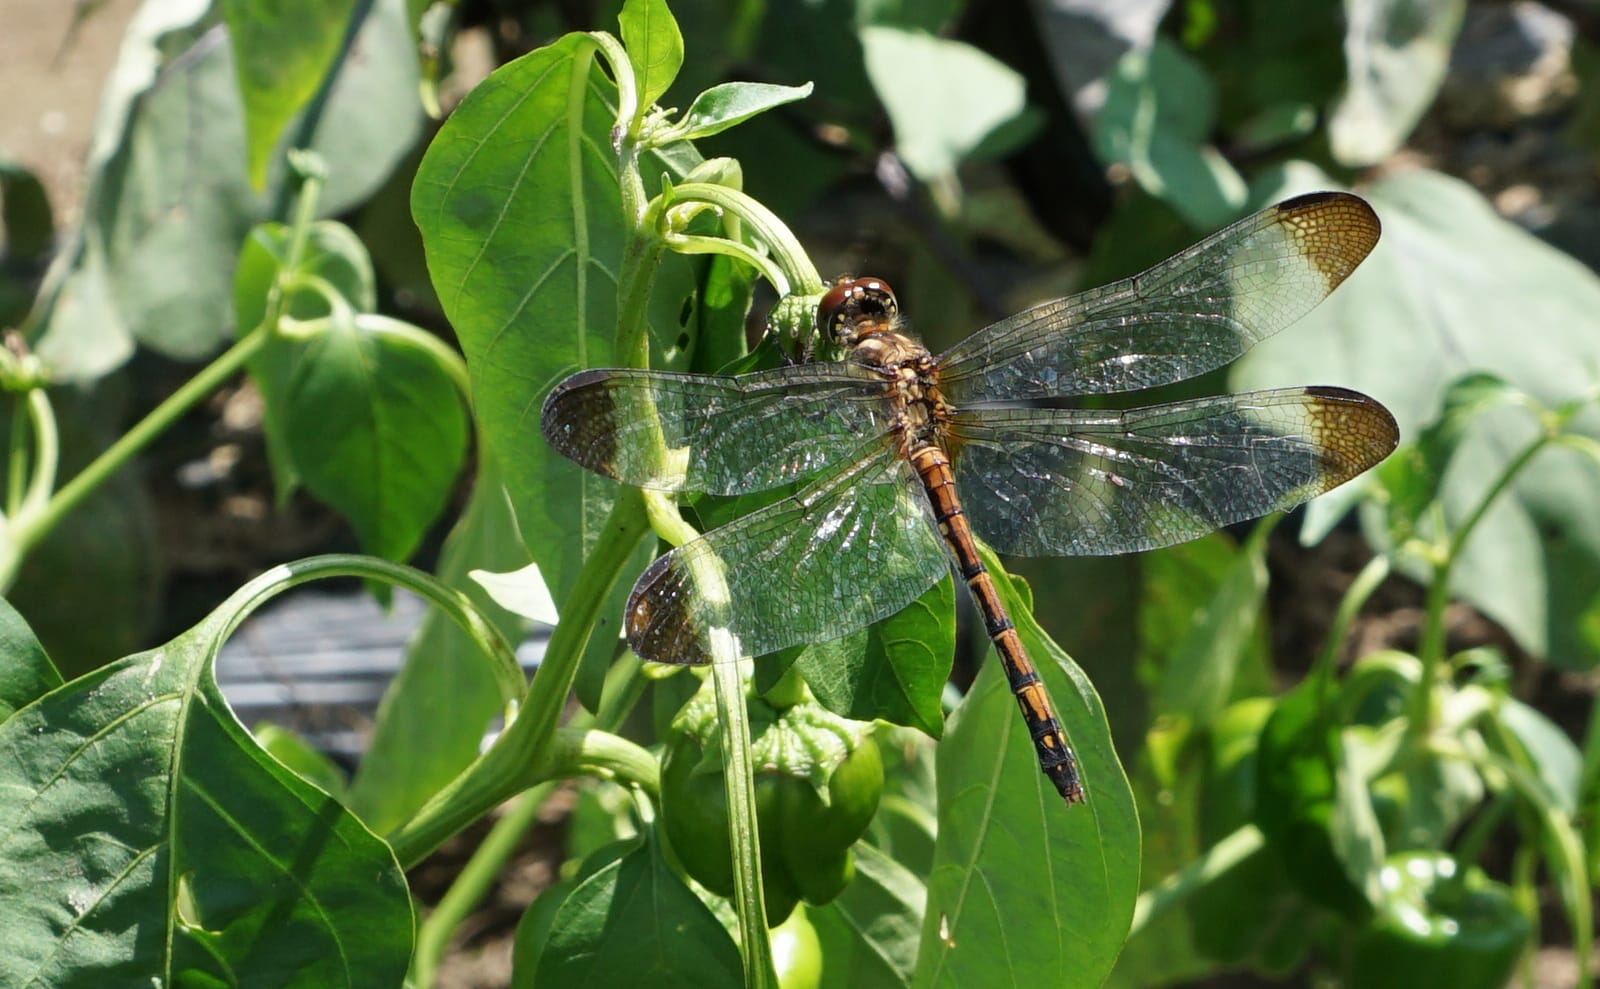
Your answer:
<point x="800" y="275"/>
<point x="1356" y="595"/>
<point x="518" y="757"/>
<point x="696" y="244"/>
<point x="456" y="605"/>
<point x="29" y="528"/>
<point x="1423" y="714"/>
<point x="46" y="452"/>
<point x="1174" y="889"/>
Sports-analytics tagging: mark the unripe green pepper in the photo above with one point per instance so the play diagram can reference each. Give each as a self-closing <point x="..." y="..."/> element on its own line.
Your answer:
<point x="1440" y="924"/>
<point x="818" y="780"/>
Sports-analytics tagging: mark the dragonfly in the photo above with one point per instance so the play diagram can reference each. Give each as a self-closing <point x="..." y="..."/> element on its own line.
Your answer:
<point x="901" y="457"/>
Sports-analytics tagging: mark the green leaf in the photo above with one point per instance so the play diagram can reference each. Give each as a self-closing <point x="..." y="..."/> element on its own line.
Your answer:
<point x="895" y="669"/>
<point x="1549" y="751"/>
<point x="521" y="217"/>
<point x="1297" y="779"/>
<point x="943" y="97"/>
<point x="1250" y="911"/>
<point x="1432" y="305"/>
<point x="149" y="840"/>
<point x="376" y="429"/>
<point x="171" y="115"/>
<point x="431" y="723"/>
<point x="730" y="103"/>
<point x="1021" y="883"/>
<point x="522" y="592"/>
<point x="333" y="253"/>
<point x="869" y="934"/>
<point x="282" y="51"/>
<point x="1157" y="118"/>
<point x="1215" y="640"/>
<point x="633" y="922"/>
<point x="1396" y="52"/>
<point x="298" y="755"/>
<point x="655" y="47"/>
<point x="26" y="673"/>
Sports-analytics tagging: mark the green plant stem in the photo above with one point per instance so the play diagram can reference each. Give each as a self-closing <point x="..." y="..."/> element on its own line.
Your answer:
<point x="456" y="605"/>
<point x="1355" y="596"/>
<point x="739" y="788"/>
<point x="623" y="688"/>
<point x="16" y="465"/>
<point x="791" y="258"/>
<point x="518" y="759"/>
<point x="1424" y="711"/>
<point x="30" y="528"/>
<point x="1175" y="888"/>
<point x="479" y="875"/>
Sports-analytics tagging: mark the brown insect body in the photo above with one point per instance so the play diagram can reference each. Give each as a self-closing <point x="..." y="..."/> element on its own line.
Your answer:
<point x="861" y="314"/>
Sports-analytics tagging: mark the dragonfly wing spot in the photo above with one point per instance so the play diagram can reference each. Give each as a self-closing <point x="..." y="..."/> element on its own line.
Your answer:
<point x="659" y="625"/>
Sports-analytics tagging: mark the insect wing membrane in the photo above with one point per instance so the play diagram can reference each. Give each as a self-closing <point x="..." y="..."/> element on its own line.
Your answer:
<point x="719" y="434"/>
<point x="855" y="546"/>
<point x="1055" y="482"/>
<point x="1192" y="313"/>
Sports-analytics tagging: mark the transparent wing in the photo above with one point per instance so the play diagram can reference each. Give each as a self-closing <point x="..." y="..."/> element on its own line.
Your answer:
<point x="719" y="434"/>
<point x="855" y="546"/>
<point x="1187" y="315"/>
<point x="1053" y="482"/>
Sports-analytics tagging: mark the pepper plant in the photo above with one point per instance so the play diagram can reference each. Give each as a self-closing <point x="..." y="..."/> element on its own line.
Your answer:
<point x="833" y="816"/>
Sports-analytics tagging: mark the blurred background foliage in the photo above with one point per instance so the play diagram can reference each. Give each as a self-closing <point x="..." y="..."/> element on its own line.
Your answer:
<point x="980" y="156"/>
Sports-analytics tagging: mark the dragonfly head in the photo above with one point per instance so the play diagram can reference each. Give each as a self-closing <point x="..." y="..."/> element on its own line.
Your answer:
<point x="857" y="307"/>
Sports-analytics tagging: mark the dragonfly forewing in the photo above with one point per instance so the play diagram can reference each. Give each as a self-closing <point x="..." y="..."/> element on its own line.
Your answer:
<point x="855" y="546"/>
<point x="1058" y="482"/>
<point x="716" y="434"/>
<point x="1190" y="314"/>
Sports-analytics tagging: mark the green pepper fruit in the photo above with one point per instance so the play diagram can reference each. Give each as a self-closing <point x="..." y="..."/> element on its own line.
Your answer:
<point x="1440" y="924"/>
<point x="818" y="780"/>
<point x="797" y="953"/>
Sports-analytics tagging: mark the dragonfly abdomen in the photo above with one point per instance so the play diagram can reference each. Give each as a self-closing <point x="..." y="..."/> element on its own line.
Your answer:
<point x="1049" y="741"/>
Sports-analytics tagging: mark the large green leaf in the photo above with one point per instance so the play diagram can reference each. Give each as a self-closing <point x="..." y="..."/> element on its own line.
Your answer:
<point x="1452" y="289"/>
<point x="26" y="673"/>
<point x="1157" y="118"/>
<point x="149" y="841"/>
<point x="869" y="934"/>
<point x="634" y="922"/>
<point x="333" y="253"/>
<point x="895" y="669"/>
<point x="521" y="217"/>
<point x="378" y="431"/>
<point x="943" y="97"/>
<point x="1023" y="884"/>
<point x="1396" y="52"/>
<point x="281" y="51"/>
<point x="169" y="198"/>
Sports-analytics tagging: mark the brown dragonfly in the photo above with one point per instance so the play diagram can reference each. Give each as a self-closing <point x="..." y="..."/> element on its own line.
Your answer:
<point x="909" y="454"/>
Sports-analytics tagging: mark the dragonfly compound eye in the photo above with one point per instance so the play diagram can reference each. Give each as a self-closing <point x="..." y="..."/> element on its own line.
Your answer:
<point x="856" y="307"/>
